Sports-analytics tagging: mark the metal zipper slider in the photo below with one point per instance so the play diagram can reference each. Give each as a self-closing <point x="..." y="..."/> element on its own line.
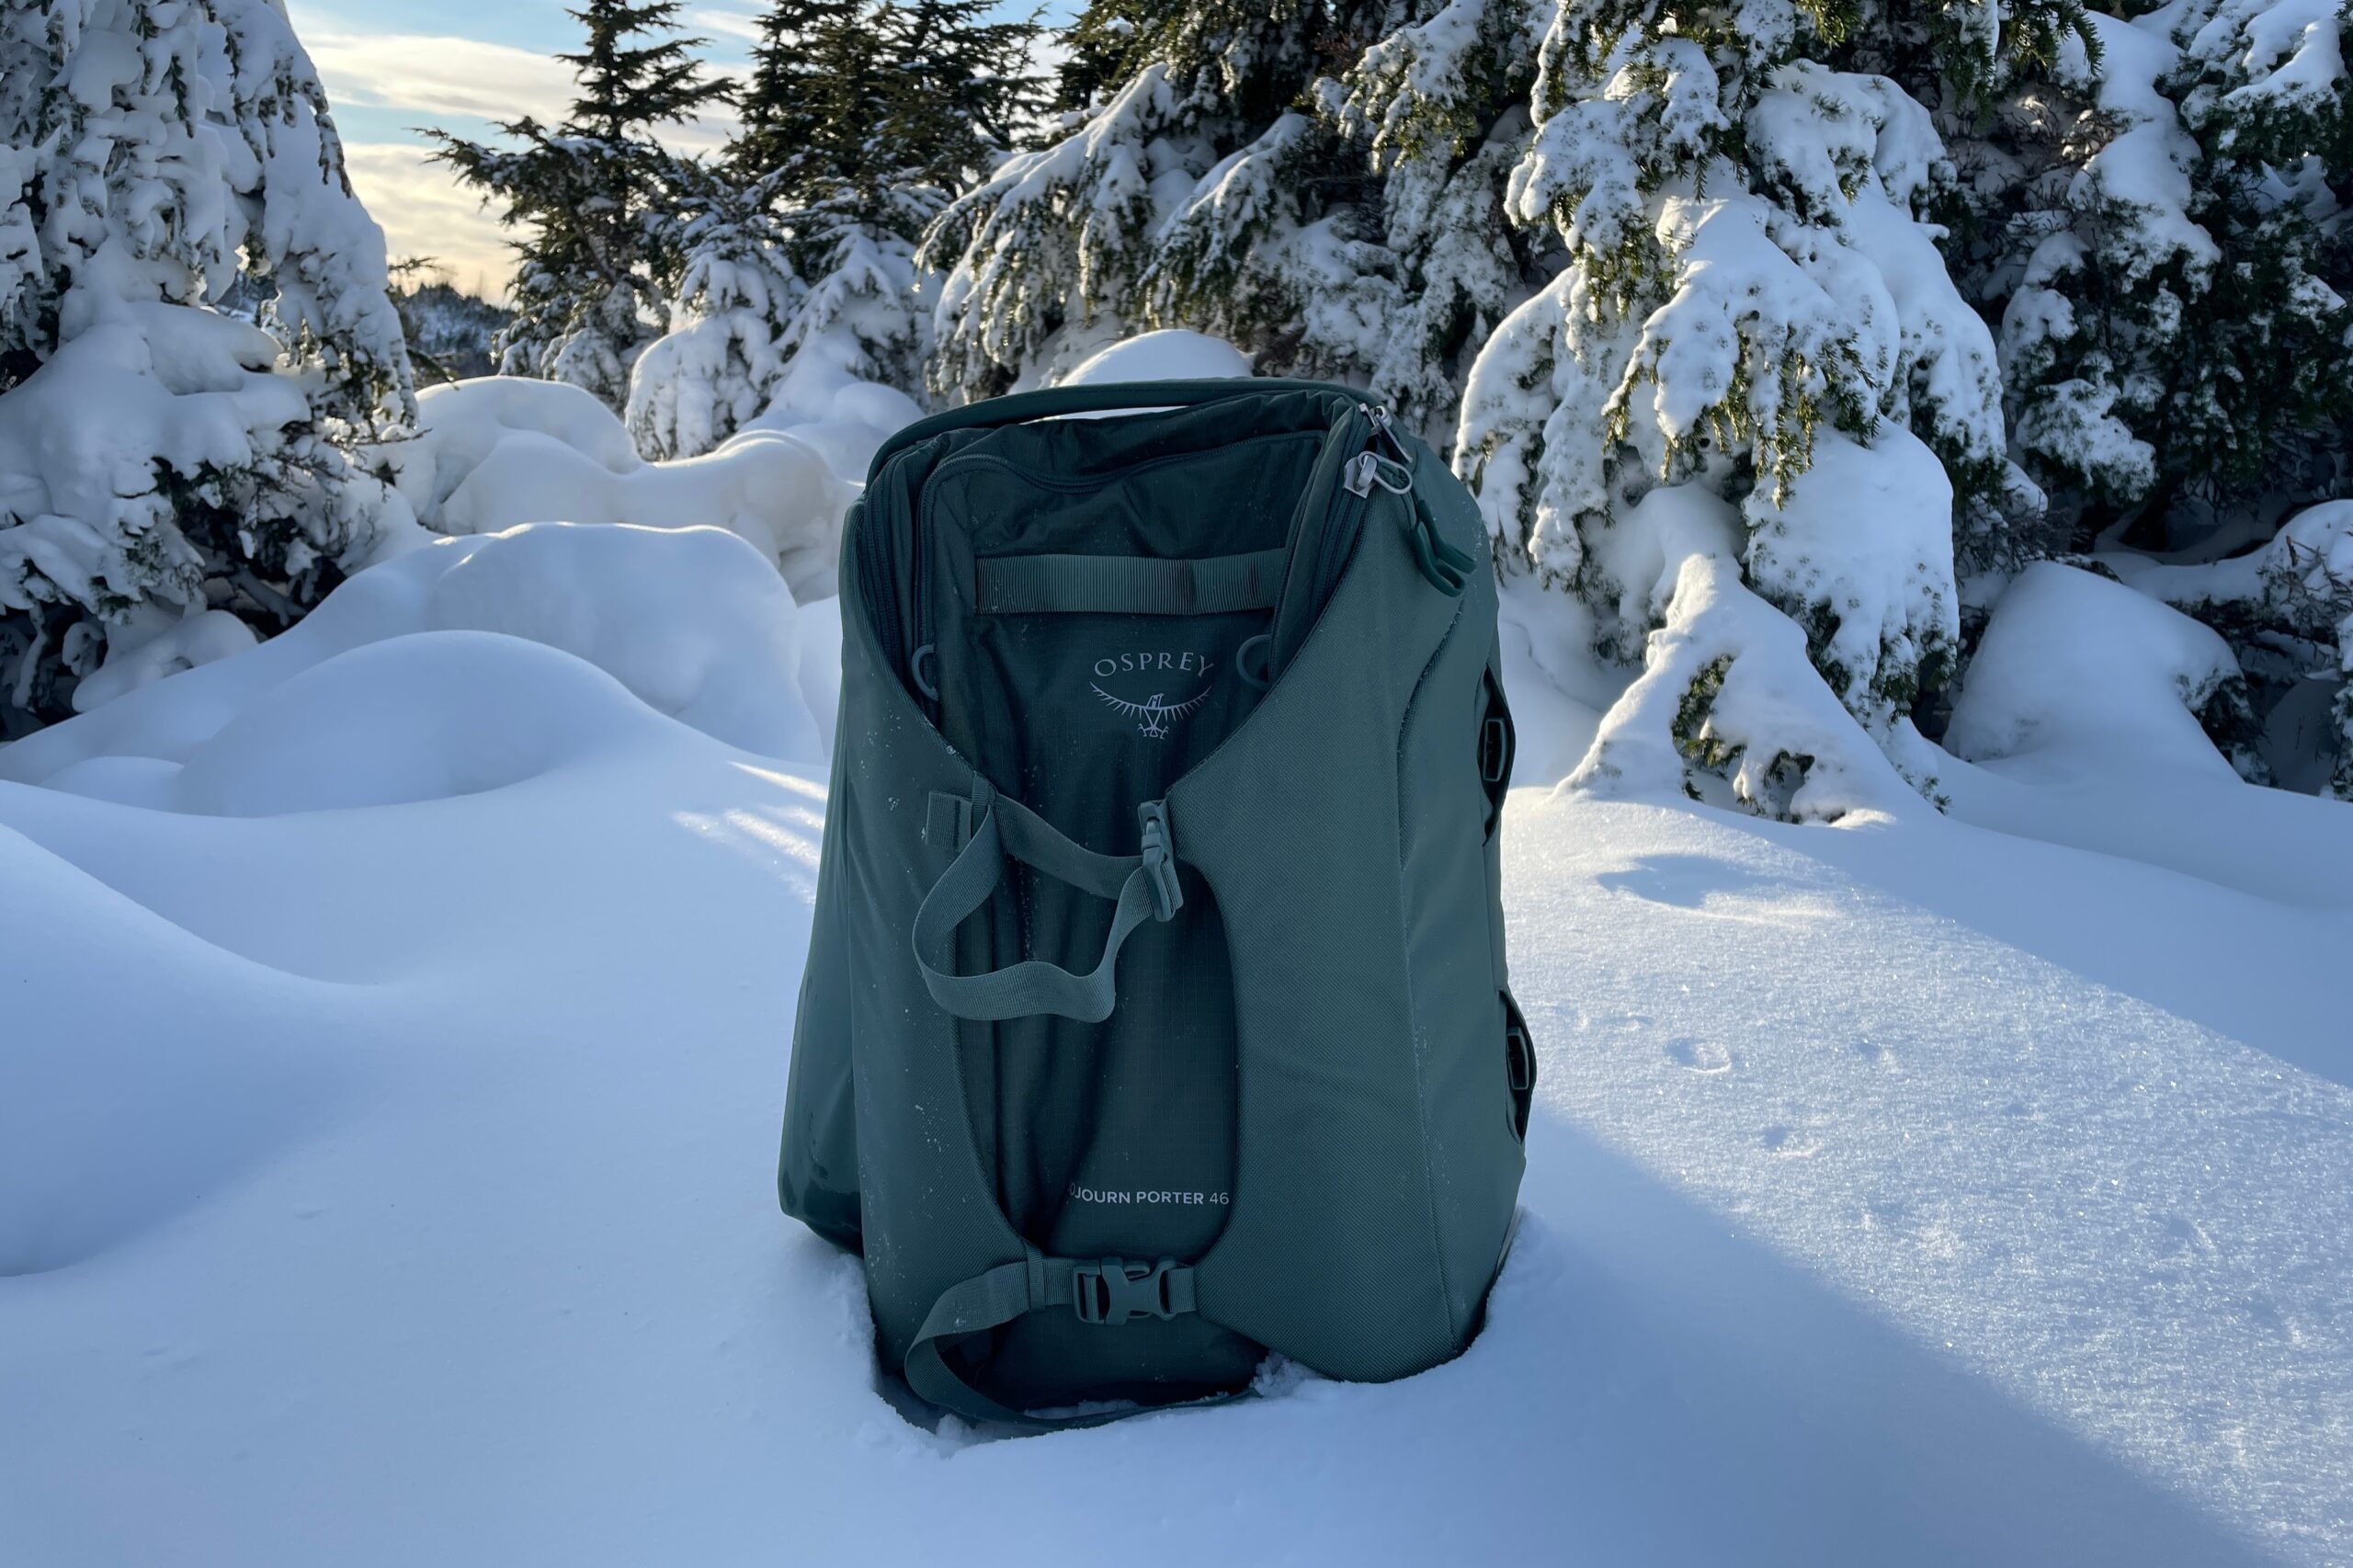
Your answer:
<point x="1384" y="427"/>
<point x="1358" y="478"/>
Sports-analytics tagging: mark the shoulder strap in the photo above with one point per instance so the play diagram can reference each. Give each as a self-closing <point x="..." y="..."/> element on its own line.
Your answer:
<point x="1051" y="403"/>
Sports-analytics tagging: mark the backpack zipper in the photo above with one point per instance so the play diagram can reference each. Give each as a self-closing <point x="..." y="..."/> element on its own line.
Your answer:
<point x="1335" y="541"/>
<point x="1444" y="567"/>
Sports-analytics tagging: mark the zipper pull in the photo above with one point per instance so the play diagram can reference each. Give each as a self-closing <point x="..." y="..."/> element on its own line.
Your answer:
<point x="1358" y="477"/>
<point x="1384" y="427"/>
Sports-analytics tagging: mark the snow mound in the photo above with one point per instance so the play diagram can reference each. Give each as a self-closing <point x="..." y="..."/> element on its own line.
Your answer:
<point x="1173" y="355"/>
<point x="144" y="1068"/>
<point x="765" y="487"/>
<point x="2077" y="673"/>
<point x="1860" y="553"/>
<point x="426" y="717"/>
<point x="500" y="450"/>
<point x="194" y="640"/>
<point x="459" y="424"/>
<point x="1729" y="709"/>
<point x="687" y="622"/>
<point x="822" y="404"/>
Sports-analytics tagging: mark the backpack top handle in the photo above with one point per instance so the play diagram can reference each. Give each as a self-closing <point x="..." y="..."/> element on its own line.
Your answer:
<point x="1106" y="397"/>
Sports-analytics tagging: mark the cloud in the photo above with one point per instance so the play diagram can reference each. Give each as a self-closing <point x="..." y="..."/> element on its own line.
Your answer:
<point x="425" y="212"/>
<point x="725" y="24"/>
<point x="437" y="76"/>
<point x="440" y="76"/>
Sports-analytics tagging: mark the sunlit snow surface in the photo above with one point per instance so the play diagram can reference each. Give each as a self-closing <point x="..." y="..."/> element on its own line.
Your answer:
<point x="385" y="1178"/>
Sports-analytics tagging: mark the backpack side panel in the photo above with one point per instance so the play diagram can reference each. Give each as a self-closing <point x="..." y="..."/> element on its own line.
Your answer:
<point x="817" y="1166"/>
<point x="1449" y="837"/>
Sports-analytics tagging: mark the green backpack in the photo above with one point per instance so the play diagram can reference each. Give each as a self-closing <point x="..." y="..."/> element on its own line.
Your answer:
<point x="1155" y="1014"/>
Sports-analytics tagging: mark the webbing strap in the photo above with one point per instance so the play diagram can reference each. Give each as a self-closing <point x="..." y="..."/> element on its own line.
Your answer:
<point x="1142" y="886"/>
<point x="1037" y="1283"/>
<point x="1127" y="585"/>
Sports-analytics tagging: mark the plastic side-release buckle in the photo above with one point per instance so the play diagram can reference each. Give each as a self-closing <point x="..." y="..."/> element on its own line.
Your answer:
<point x="1112" y="1291"/>
<point x="1519" y="1059"/>
<point x="1160" y="860"/>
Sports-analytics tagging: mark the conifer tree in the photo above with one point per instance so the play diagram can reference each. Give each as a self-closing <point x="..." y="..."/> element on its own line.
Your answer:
<point x="1751" y="282"/>
<point x="2174" y="299"/>
<point x="585" y="290"/>
<point x="195" y="342"/>
<point x="859" y="120"/>
<point x="1198" y="183"/>
<point x="2171" y="344"/>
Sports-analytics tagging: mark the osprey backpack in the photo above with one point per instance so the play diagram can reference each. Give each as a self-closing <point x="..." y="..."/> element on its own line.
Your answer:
<point x="1155" y="1016"/>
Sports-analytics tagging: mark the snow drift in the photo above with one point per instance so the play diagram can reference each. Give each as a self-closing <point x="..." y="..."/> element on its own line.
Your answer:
<point x="687" y="623"/>
<point x="502" y="450"/>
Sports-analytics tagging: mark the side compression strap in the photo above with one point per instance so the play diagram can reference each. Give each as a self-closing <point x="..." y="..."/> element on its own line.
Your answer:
<point x="1126" y="584"/>
<point x="1142" y="886"/>
<point x="1109" y="1292"/>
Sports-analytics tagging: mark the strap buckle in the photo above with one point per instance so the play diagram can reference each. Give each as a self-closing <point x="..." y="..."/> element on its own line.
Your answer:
<point x="1160" y="860"/>
<point x="1112" y="1291"/>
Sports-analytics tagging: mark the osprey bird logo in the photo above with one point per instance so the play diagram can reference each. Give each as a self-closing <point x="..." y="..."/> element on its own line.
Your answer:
<point x="1154" y="716"/>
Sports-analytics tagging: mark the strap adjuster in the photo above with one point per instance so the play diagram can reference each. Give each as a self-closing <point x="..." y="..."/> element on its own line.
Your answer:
<point x="1112" y="1291"/>
<point x="1159" y="860"/>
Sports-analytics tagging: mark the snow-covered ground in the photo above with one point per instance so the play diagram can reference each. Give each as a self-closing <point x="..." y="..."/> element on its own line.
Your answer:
<point x="395" y="1040"/>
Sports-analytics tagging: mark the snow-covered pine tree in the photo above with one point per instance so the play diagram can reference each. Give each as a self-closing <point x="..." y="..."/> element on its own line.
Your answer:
<point x="736" y="298"/>
<point x="859" y="120"/>
<point x="2175" y="319"/>
<point x="585" y="295"/>
<point x="1439" y="109"/>
<point x="2173" y="343"/>
<point x="1198" y="179"/>
<point x="194" y="333"/>
<point x="1753" y="311"/>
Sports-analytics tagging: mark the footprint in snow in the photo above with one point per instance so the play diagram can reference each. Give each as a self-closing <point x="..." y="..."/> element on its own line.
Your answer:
<point x="1700" y="1055"/>
<point x="1790" y="1144"/>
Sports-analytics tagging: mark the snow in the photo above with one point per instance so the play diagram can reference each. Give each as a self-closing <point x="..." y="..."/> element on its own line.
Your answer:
<point x="499" y="451"/>
<point x="2146" y="166"/>
<point x="1860" y="551"/>
<point x="1172" y="354"/>
<point x="1770" y="727"/>
<point x="687" y="622"/>
<point x="2285" y="51"/>
<point x="2077" y="673"/>
<point x="398" y="1019"/>
<point x="821" y="403"/>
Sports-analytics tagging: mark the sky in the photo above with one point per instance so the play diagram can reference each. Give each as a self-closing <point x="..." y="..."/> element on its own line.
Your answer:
<point x="460" y="65"/>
